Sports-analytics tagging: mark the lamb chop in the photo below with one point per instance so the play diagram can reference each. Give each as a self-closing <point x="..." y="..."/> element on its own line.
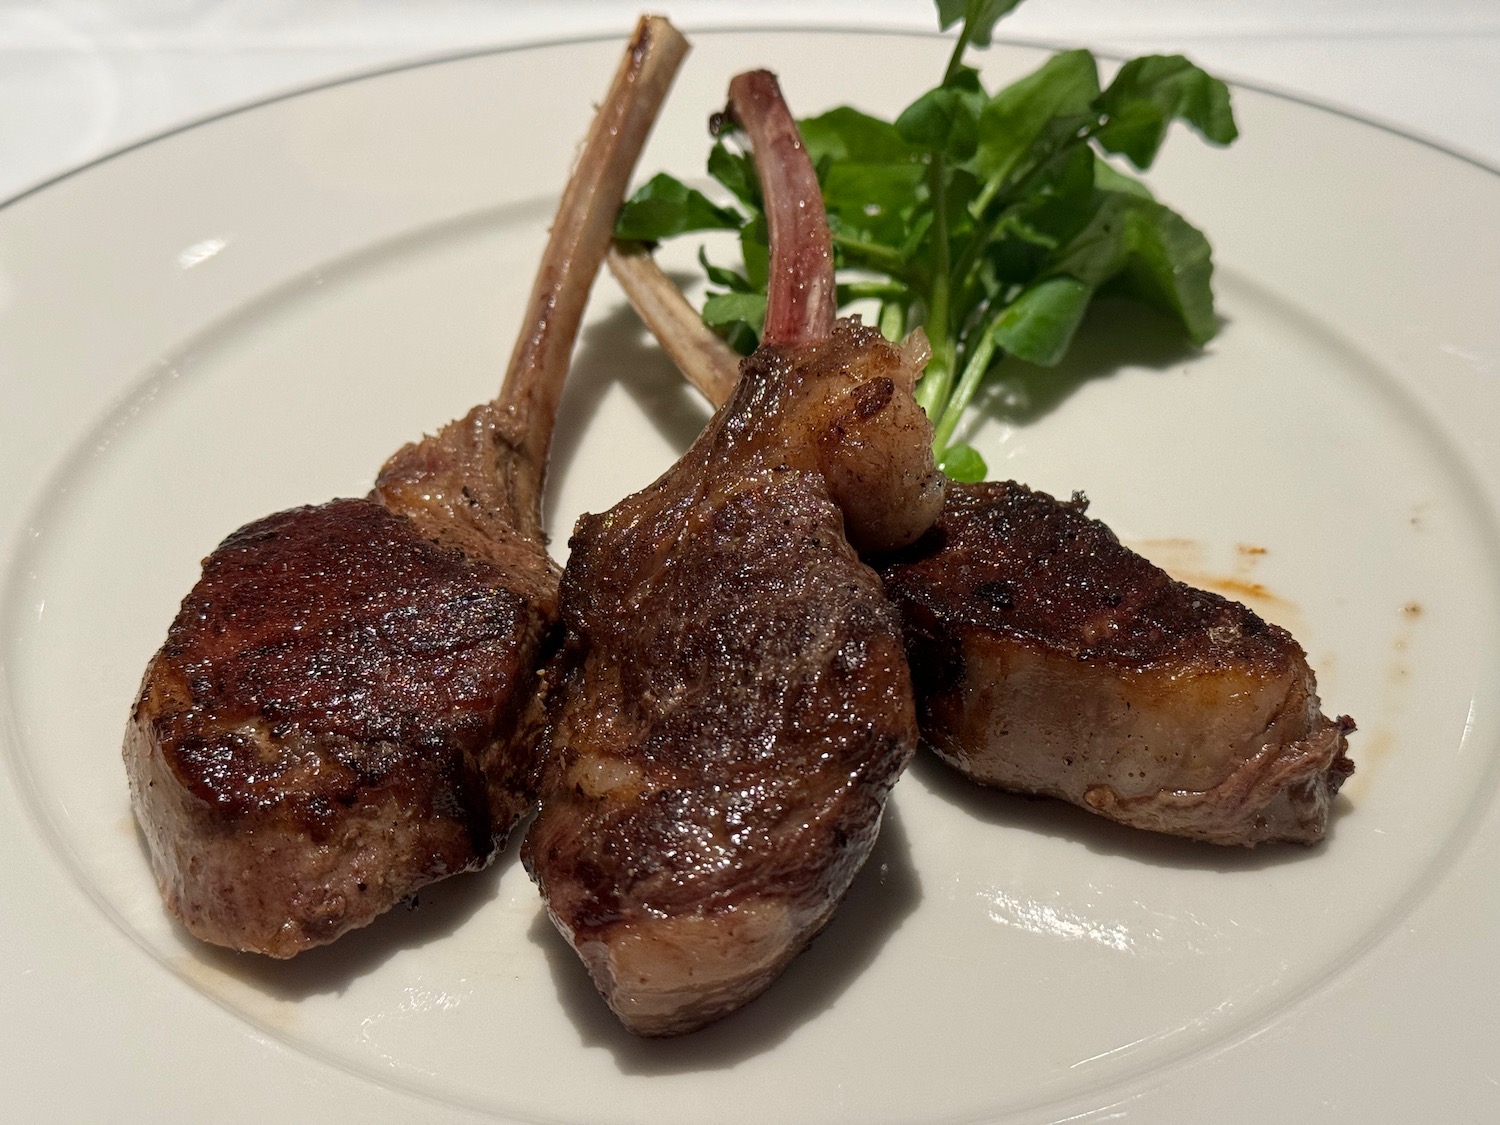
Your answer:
<point x="345" y="708"/>
<point x="1049" y="659"/>
<point x="732" y="703"/>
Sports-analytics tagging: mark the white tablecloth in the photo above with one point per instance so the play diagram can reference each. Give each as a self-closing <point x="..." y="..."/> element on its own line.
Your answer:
<point x="79" y="78"/>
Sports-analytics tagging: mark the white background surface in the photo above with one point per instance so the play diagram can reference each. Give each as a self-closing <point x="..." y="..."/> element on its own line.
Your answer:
<point x="79" y="78"/>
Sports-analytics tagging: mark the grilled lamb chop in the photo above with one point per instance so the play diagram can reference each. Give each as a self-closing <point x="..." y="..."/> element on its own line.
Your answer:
<point x="345" y="707"/>
<point x="732" y="703"/>
<point x="1048" y="659"/>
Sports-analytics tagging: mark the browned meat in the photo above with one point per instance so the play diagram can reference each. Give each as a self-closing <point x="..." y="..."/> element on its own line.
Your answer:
<point x="732" y="704"/>
<point x="345" y="706"/>
<point x="1050" y="659"/>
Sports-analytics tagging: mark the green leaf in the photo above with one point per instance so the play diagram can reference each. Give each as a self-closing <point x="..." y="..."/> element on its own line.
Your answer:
<point x="962" y="462"/>
<point x="873" y="201"/>
<point x="871" y="177"/>
<point x="945" y="119"/>
<point x="1046" y="106"/>
<point x="1151" y="253"/>
<point x="1171" y="269"/>
<point x="1021" y="240"/>
<point x="741" y="337"/>
<point x="1061" y="195"/>
<point x="724" y="309"/>
<point x="1039" y="325"/>
<point x="664" y="207"/>
<point x="1149" y="93"/>
<point x="1109" y="178"/>
<point x="845" y="135"/>
<point x="755" y="249"/>
<point x="736" y="171"/>
<point x="732" y="280"/>
<point x="982" y="16"/>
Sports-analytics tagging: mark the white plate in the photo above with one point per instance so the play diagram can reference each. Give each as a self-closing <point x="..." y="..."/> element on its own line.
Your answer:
<point x="252" y="313"/>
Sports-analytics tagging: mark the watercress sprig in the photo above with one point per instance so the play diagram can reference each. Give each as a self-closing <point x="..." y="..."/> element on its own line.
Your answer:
<point x="989" y="220"/>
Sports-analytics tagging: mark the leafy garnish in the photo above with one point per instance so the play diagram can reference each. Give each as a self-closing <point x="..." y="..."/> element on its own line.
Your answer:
<point x="989" y="220"/>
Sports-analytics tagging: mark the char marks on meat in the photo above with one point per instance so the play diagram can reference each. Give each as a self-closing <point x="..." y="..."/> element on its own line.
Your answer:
<point x="732" y="702"/>
<point x="1050" y="659"/>
<point x="346" y="705"/>
<point x="324" y="730"/>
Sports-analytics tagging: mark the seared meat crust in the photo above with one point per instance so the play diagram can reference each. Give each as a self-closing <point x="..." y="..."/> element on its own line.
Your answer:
<point x="321" y="732"/>
<point x="1048" y="658"/>
<point x="342" y="618"/>
<point x="726" y="751"/>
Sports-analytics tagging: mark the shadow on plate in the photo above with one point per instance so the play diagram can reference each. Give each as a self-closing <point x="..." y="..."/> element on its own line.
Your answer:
<point x="884" y="894"/>
<point x="1116" y="333"/>
<point x="432" y="914"/>
<point x="1046" y="816"/>
<point x="618" y="351"/>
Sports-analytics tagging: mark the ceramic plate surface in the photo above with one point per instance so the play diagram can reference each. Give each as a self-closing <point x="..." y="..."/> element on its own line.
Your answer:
<point x="252" y="313"/>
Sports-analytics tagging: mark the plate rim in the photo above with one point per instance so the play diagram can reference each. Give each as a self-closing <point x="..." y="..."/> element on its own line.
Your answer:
<point x="693" y="29"/>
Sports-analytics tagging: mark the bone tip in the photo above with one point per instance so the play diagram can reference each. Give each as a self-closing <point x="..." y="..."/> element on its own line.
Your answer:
<point x="651" y="30"/>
